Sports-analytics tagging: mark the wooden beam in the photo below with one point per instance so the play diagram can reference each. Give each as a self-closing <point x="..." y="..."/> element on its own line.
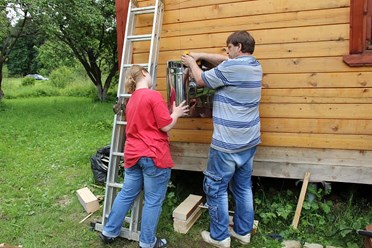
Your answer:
<point x="333" y="165"/>
<point x="121" y="21"/>
<point x="187" y="207"/>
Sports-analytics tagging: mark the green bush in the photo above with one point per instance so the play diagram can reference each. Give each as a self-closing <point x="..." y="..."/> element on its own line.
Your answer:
<point x="27" y="81"/>
<point x="61" y="77"/>
<point x="5" y="71"/>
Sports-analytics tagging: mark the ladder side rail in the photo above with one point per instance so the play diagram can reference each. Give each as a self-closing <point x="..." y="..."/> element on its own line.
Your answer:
<point x="127" y="49"/>
<point x="112" y="171"/>
<point x="118" y="130"/>
<point x="150" y="61"/>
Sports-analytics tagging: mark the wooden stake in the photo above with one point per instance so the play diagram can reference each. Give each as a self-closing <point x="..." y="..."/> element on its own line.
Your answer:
<point x="86" y="217"/>
<point x="300" y="202"/>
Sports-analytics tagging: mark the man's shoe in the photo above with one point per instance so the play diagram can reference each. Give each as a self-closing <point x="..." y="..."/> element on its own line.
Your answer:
<point x="243" y="239"/>
<point x="105" y="239"/>
<point x="221" y="244"/>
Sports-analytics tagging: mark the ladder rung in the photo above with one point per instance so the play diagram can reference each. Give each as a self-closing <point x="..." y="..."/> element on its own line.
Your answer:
<point x="141" y="37"/>
<point x="144" y="10"/>
<point x="125" y="95"/>
<point x="121" y="122"/>
<point x="127" y="218"/>
<point x="121" y="154"/>
<point x="129" y="65"/>
<point x="115" y="185"/>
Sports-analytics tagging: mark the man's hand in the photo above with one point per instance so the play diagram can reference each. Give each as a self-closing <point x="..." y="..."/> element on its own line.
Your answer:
<point x="188" y="60"/>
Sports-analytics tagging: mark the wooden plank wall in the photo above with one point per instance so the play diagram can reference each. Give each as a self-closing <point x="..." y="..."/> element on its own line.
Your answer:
<point x="316" y="112"/>
<point x="310" y="98"/>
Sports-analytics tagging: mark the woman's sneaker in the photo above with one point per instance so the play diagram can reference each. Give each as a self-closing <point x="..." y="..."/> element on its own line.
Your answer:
<point x="105" y="239"/>
<point x="160" y="243"/>
<point x="221" y="244"/>
<point x="243" y="239"/>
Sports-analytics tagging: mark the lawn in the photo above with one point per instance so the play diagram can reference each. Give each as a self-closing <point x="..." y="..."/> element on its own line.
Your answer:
<point x="45" y="150"/>
<point x="44" y="160"/>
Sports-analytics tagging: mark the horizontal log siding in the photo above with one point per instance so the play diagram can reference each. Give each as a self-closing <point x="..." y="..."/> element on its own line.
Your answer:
<point x="310" y="98"/>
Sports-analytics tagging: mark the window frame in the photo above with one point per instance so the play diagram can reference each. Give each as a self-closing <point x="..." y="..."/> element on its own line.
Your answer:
<point x="360" y="47"/>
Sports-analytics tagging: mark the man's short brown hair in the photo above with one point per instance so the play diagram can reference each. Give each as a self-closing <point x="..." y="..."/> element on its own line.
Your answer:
<point x="244" y="38"/>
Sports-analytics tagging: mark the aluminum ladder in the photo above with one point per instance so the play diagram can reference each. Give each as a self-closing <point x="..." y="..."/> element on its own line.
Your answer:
<point x="131" y="226"/>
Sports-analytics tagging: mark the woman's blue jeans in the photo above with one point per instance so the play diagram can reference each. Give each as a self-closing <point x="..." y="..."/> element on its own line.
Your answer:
<point x="154" y="181"/>
<point x="233" y="170"/>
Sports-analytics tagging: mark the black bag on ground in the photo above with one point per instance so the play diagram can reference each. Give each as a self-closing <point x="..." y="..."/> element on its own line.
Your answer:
<point x="99" y="164"/>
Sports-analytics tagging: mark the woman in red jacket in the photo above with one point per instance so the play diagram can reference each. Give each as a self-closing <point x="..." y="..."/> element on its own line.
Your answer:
<point x="147" y="158"/>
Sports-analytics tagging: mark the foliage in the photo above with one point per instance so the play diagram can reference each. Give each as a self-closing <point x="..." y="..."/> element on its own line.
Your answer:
<point x="22" y="58"/>
<point x="5" y="71"/>
<point x="88" y="29"/>
<point x="27" y="81"/>
<point x="13" y="19"/>
<point x="322" y="221"/>
<point x="80" y="86"/>
<point x="60" y="77"/>
<point x="52" y="55"/>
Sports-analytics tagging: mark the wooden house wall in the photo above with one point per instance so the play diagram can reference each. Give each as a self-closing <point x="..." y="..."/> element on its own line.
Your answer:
<point x="312" y="102"/>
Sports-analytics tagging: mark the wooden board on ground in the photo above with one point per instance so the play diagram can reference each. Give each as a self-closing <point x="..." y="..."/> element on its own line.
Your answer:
<point x="187" y="207"/>
<point x="183" y="226"/>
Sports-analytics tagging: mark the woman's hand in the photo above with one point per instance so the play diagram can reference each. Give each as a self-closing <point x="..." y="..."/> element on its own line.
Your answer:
<point x="177" y="111"/>
<point x="180" y="110"/>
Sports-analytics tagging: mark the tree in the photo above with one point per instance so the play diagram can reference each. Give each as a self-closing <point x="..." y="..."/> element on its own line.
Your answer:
<point x="87" y="27"/>
<point x="22" y="59"/>
<point x="10" y="15"/>
<point x="51" y="56"/>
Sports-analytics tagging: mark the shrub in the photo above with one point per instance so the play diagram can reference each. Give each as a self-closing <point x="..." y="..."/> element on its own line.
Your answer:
<point x="28" y="81"/>
<point x="5" y="71"/>
<point x="61" y="77"/>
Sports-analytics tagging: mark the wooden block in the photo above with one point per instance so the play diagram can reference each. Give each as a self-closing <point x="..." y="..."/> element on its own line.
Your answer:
<point x="3" y="245"/>
<point x="183" y="226"/>
<point x="187" y="207"/>
<point x="88" y="200"/>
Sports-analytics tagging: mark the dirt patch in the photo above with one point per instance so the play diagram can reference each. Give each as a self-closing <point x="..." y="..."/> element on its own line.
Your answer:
<point x="64" y="201"/>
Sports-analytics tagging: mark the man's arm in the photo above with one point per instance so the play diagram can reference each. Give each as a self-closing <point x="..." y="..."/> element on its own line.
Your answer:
<point x="190" y="62"/>
<point x="213" y="58"/>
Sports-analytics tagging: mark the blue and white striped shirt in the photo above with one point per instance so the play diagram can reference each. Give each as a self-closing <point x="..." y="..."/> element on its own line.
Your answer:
<point x="236" y="118"/>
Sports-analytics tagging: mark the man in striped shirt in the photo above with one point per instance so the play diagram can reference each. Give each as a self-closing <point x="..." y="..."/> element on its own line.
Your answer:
<point x="236" y="121"/>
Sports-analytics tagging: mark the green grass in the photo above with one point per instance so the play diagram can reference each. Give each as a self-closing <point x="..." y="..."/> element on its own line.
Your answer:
<point x="44" y="160"/>
<point x="46" y="143"/>
<point x="81" y="87"/>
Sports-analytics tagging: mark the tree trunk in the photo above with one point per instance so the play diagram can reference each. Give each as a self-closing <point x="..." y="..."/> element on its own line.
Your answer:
<point x="101" y="93"/>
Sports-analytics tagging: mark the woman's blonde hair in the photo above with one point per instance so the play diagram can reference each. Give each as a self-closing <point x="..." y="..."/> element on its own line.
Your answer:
<point x="133" y="74"/>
